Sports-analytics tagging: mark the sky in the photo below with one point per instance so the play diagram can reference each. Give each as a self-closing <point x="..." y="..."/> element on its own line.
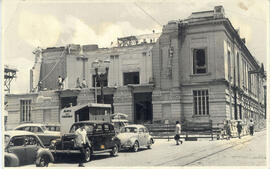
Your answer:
<point x="27" y="24"/>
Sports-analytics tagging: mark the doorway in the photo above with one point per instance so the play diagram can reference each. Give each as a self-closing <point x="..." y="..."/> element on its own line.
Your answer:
<point x="143" y="110"/>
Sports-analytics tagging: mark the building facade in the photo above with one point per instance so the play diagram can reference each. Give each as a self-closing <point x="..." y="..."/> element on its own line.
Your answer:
<point x="197" y="69"/>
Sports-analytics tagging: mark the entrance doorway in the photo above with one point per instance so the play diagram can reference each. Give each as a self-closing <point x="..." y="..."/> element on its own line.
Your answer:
<point x="143" y="111"/>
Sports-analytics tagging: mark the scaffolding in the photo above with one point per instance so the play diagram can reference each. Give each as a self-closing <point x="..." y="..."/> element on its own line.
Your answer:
<point x="10" y="74"/>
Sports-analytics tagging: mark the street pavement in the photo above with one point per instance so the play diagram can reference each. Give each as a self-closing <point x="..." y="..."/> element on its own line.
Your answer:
<point x="247" y="151"/>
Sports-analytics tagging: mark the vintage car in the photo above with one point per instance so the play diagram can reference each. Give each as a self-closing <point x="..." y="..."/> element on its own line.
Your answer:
<point x="22" y="147"/>
<point x="101" y="135"/>
<point x="41" y="131"/>
<point x="135" y="136"/>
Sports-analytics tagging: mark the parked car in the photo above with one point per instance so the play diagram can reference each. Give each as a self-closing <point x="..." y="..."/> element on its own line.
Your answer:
<point x="41" y="131"/>
<point x="101" y="135"/>
<point x="22" y="147"/>
<point x="53" y="127"/>
<point x="118" y="124"/>
<point x="134" y="137"/>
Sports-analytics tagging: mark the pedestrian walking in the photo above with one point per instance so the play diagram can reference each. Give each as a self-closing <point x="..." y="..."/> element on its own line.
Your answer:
<point x="251" y="127"/>
<point x="81" y="140"/>
<point x="239" y="129"/>
<point x="227" y="129"/>
<point x="177" y="133"/>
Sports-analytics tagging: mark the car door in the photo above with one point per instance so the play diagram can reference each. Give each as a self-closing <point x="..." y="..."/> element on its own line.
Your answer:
<point x="146" y="135"/>
<point x="108" y="135"/>
<point x="40" y="133"/>
<point x="31" y="148"/>
<point x="16" y="146"/>
<point x="141" y="136"/>
<point x="98" y="138"/>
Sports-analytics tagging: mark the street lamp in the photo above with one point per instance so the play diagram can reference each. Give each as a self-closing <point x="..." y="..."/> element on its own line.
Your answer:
<point x="101" y="77"/>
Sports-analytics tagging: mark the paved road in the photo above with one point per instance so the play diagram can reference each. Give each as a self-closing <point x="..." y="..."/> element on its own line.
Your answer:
<point x="248" y="151"/>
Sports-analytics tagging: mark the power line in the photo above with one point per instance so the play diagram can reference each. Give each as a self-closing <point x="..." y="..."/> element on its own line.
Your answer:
<point x="148" y="14"/>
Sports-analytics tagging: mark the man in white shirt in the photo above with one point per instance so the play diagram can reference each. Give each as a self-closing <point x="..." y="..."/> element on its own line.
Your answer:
<point x="80" y="141"/>
<point x="177" y="133"/>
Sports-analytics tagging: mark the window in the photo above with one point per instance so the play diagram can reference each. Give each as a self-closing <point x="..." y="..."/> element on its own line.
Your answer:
<point x="201" y="102"/>
<point x="99" y="128"/>
<point x="30" y="140"/>
<point x="131" y="78"/>
<point x="199" y="61"/>
<point x="17" y="141"/>
<point x="106" y="127"/>
<point x="25" y="109"/>
<point x="238" y="69"/>
<point x="89" y="128"/>
<point x="96" y="82"/>
<point x="36" y="129"/>
<point x="229" y="66"/>
<point x="145" y="130"/>
<point x="111" y="127"/>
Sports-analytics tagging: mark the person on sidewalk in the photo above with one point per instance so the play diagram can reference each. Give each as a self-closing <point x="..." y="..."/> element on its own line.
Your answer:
<point x="177" y="133"/>
<point x="251" y="127"/>
<point x="239" y="129"/>
<point x="228" y="130"/>
<point x="81" y="140"/>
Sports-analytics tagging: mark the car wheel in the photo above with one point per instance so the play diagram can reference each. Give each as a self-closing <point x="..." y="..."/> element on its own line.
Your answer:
<point x="114" y="151"/>
<point x="135" y="146"/>
<point x="43" y="161"/>
<point x="87" y="155"/>
<point x="7" y="163"/>
<point x="150" y="144"/>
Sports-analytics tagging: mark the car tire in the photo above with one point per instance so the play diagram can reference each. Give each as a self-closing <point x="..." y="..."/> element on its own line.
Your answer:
<point x="150" y="144"/>
<point x="135" y="147"/>
<point x="114" y="151"/>
<point x="43" y="161"/>
<point x="7" y="163"/>
<point x="87" y="155"/>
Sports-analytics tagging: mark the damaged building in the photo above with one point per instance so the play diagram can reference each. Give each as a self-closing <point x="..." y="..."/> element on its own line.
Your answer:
<point x="196" y="69"/>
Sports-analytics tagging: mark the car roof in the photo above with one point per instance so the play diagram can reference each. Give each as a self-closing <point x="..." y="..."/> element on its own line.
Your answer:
<point x="135" y="125"/>
<point x="92" y="121"/>
<point x="30" y="124"/>
<point x="51" y="124"/>
<point x="18" y="133"/>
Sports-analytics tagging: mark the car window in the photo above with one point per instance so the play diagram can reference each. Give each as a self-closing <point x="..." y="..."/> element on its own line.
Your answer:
<point x="74" y="127"/>
<point x="53" y="128"/>
<point x="35" y="129"/>
<point x="89" y="128"/>
<point x="111" y="127"/>
<point x="30" y="140"/>
<point x="21" y="128"/>
<point x="106" y="127"/>
<point x="141" y="130"/>
<point x="99" y="128"/>
<point x="145" y="130"/>
<point x="42" y="128"/>
<point x="24" y="128"/>
<point x="16" y="141"/>
<point x="129" y="130"/>
<point x="7" y="138"/>
<point x="27" y="128"/>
